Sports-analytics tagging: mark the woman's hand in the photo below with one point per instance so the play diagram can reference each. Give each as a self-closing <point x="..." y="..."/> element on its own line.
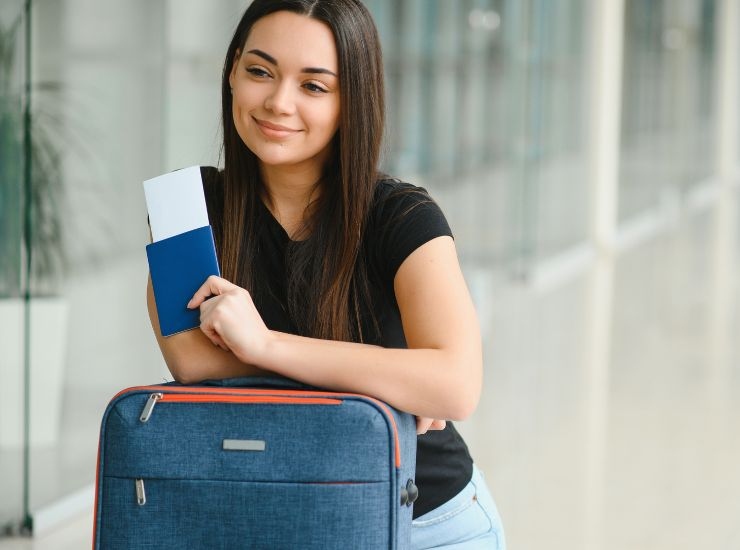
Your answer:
<point x="423" y="425"/>
<point x="229" y="319"/>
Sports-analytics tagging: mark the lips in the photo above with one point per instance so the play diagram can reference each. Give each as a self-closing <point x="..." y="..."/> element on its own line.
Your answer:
<point x="273" y="130"/>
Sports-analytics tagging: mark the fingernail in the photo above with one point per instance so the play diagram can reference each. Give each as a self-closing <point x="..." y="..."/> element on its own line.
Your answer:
<point x="189" y="306"/>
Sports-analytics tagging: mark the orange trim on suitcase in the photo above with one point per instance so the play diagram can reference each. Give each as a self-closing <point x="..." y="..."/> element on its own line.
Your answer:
<point x="287" y="400"/>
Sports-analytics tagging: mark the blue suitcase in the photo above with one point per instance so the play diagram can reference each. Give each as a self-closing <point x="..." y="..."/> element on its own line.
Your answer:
<point x="253" y="463"/>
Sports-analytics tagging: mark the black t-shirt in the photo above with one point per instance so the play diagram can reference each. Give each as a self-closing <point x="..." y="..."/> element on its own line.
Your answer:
<point x="402" y="218"/>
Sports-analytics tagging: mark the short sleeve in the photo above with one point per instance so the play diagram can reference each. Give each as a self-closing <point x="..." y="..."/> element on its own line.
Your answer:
<point x="404" y="217"/>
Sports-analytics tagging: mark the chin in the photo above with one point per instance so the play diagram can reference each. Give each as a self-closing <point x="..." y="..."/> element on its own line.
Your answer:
<point x="277" y="159"/>
<point x="274" y="154"/>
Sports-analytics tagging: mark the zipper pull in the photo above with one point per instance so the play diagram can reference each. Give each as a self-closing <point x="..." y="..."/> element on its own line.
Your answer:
<point x="149" y="406"/>
<point x="140" y="494"/>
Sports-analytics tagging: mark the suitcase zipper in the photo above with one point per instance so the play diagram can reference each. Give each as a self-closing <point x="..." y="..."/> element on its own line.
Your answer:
<point x="140" y="493"/>
<point x="200" y="398"/>
<point x="149" y="406"/>
<point x="154" y="398"/>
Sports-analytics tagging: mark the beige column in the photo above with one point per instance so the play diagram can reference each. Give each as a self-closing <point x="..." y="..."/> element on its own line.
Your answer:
<point x="605" y="119"/>
<point x="728" y="90"/>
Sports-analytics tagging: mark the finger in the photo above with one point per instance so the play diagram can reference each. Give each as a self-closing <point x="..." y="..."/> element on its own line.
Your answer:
<point x="218" y="341"/>
<point x="207" y="306"/>
<point x="212" y="287"/>
<point x="214" y="337"/>
<point x="438" y="425"/>
<point x="422" y="424"/>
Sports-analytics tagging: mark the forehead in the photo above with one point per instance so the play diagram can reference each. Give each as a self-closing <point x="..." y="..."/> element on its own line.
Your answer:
<point x="294" y="40"/>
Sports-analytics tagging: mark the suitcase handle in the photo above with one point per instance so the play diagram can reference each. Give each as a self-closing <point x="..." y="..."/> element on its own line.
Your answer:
<point x="257" y="382"/>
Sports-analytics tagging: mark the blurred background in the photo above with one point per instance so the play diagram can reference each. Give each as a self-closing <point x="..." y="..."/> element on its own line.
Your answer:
<point x="586" y="153"/>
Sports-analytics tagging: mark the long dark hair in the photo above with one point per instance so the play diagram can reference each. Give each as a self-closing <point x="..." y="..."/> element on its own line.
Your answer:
<point x="326" y="274"/>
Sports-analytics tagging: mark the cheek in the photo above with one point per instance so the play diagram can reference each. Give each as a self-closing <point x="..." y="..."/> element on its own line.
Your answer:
<point x="243" y="104"/>
<point x="330" y="119"/>
<point x="244" y="98"/>
<point x="241" y="118"/>
<point x="236" y="115"/>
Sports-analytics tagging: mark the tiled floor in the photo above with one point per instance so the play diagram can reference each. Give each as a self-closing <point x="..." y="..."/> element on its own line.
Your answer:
<point x="73" y="535"/>
<point x="609" y="418"/>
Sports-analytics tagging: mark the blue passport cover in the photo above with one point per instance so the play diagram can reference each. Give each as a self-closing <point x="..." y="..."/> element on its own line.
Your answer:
<point x="179" y="266"/>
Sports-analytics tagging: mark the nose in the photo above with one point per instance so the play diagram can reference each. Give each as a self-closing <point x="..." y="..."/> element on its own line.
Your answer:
<point x="280" y="100"/>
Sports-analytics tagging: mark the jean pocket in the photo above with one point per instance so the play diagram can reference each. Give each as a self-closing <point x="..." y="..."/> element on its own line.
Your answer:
<point x="460" y="519"/>
<point x="445" y="512"/>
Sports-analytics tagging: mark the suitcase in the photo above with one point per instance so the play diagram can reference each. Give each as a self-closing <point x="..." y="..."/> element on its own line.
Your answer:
<point x="253" y="463"/>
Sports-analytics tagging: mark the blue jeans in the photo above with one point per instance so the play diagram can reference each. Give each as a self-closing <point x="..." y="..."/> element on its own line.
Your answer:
<point x="468" y="521"/>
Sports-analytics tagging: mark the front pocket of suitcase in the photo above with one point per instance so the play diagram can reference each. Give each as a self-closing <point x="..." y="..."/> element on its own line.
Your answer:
<point x="188" y="437"/>
<point x="195" y="514"/>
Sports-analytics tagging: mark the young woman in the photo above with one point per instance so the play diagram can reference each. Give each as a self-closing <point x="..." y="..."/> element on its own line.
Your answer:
<point x="332" y="274"/>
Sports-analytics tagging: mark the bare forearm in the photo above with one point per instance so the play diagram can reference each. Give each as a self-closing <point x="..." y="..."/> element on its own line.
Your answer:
<point x="426" y="382"/>
<point x="191" y="357"/>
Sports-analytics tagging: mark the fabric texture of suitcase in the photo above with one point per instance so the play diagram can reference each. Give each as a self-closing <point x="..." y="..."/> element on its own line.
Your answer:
<point x="253" y="463"/>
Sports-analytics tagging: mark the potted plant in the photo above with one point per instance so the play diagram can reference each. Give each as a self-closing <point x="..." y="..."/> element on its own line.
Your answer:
<point x="40" y="297"/>
<point x="11" y="150"/>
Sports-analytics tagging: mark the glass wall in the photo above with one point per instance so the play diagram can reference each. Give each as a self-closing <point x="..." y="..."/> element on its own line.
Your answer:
<point x="13" y="53"/>
<point x="124" y="91"/>
<point x="668" y="138"/>
<point x="98" y="69"/>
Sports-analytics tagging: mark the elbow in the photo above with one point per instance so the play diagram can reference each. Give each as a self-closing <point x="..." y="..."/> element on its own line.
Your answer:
<point x="182" y="372"/>
<point x="184" y="380"/>
<point x="464" y="412"/>
<point x="464" y="406"/>
<point x="465" y="400"/>
<point x="179" y="374"/>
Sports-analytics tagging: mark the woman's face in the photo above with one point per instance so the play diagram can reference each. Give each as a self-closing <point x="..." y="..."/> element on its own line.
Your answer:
<point x="285" y="90"/>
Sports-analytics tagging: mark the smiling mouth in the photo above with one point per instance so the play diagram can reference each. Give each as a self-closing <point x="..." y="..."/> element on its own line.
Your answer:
<point x="274" y="130"/>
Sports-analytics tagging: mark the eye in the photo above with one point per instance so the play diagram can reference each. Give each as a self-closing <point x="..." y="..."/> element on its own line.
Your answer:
<point x="315" y="88"/>
<point x="258" y="72"/>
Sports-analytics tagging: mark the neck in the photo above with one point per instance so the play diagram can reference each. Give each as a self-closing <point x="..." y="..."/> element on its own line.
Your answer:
<point x="289" y="192"/>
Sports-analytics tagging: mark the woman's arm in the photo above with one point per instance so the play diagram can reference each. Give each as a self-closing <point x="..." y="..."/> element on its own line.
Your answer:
<point x="190" y="356"/>
<point x="439" y="376"/>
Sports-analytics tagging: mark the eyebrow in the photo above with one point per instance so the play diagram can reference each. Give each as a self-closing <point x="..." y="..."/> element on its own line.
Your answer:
<point x="311" y="70"/>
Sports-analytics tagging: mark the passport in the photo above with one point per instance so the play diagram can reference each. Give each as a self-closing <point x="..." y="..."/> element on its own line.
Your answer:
<point x="179" y="265"/>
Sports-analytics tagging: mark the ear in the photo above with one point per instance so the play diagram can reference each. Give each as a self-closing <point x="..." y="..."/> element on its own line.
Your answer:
<point x="234" y="67"/>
